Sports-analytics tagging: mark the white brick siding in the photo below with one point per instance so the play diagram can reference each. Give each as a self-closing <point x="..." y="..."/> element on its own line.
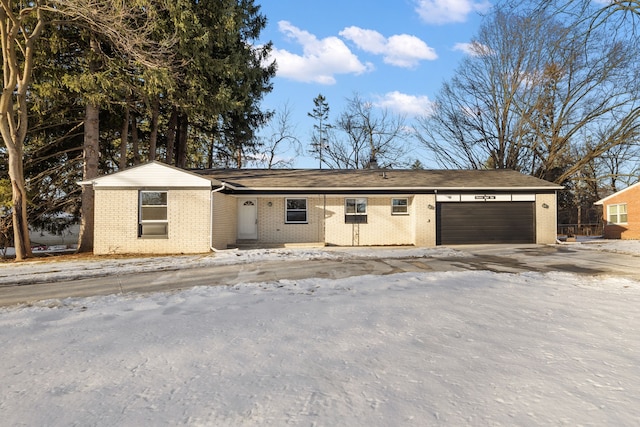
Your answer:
<point x="116" y="230"/>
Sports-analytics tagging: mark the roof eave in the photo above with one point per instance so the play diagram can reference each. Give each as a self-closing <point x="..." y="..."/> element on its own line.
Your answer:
<point x="409" y="189"/>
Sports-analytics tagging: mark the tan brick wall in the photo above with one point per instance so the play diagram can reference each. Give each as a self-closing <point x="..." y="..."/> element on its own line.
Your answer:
<point x="116" y="223"/>
<point x="423" y="212"/>
<point x="630" y="230"/>
<point x="382" y="227"/>
<point x="272" y="226"/>
<point x="225" y="220"/>
<point x="546" y="219"/>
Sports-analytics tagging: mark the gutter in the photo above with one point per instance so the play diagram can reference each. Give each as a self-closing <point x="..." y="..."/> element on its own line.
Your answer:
<point x="217" y="190"/>
<point x="323" y="190"/>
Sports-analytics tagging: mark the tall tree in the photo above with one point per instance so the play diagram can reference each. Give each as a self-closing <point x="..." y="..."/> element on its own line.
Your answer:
<point x="20" y="27"/>
<point x="531" y="96"/>
<point x="321" y="127"/>
<point x="21" y="24"/>
<point x="367" y="137"/>
<point x="221" y="77"/>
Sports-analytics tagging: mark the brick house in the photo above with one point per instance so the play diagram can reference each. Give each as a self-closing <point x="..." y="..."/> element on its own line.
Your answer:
<point x="156" y="208"/>
<point x="621" y="213"/>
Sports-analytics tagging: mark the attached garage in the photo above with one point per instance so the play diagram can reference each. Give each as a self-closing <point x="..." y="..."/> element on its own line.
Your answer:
<point x="477" y="219"/>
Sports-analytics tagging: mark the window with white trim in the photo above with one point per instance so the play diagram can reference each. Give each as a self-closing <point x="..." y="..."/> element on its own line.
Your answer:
<point x="296" y="211"/>
<point x="400" y="206"/>
<point x="153" y="219"/>
<point x="617" y="214"/>
<point x="355" y="211"/>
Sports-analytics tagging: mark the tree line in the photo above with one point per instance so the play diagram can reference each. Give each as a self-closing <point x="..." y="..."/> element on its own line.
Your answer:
<point x="95" y="86"/>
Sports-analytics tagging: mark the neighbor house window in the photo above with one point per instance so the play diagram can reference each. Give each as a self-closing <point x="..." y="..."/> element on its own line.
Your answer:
<point x="617" y="214"/>
<point x="296" y="211"/>
<point x="153" y="214"/>
<point x="399" y="206"/>
<point x="355" y="211"/>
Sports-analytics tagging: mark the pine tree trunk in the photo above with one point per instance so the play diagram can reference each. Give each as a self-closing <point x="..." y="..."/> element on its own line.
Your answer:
<point x="153" y="138"/>
<point x="124" y="138"/>
<point x="171" y="136"/>
<point x="91" y="154"/>
<point x="181" y="149"/>
<point x="135" y="142"/>
<point x="90" y="170"/>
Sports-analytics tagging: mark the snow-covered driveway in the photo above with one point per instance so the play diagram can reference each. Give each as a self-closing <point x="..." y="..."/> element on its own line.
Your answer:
<point x="421" y="348"/>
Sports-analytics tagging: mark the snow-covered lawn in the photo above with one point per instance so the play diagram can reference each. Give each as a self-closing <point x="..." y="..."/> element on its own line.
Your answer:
<point x="456" y="348"/>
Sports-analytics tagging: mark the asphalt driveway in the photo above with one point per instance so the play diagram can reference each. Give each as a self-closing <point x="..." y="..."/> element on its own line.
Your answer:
<point x="496" y="258"/>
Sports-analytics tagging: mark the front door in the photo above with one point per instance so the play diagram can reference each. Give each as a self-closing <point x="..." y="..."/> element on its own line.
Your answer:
<point x="247" y="219"/>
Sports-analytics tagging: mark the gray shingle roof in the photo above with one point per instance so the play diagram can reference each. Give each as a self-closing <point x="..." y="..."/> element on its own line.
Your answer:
<point x="315" y="179"/>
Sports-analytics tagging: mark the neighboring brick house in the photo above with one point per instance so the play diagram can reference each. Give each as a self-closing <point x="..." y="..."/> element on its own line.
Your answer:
<point x="156" y="208"/>
<point x="621" y="213"/>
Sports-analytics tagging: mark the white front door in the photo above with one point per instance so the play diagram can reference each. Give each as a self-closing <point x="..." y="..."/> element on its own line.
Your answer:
<point x="247" y="219"/>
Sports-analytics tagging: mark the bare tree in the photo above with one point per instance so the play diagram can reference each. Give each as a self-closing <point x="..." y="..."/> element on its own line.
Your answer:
<point x="280" y="145"/>
<point x="618" y="16"/>
<point x="531" y="96"/>
<point x="366" y="137"/>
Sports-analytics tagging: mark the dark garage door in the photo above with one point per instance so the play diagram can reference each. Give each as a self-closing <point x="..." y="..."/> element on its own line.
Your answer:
<point x="488" y="222"/>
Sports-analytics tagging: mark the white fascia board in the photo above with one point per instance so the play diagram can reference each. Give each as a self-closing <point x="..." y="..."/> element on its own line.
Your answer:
<point x="384" y="189"/>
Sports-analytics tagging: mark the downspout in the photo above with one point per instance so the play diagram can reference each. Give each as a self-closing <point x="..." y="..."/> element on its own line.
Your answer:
<point x="324" y="220"/>
<point x="217" y="190"/>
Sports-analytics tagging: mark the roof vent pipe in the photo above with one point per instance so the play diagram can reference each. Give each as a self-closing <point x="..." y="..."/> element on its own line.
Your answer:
<point x="373" y="163"/>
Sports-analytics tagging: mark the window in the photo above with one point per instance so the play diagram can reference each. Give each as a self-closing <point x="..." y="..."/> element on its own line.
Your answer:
<point x="296" y="211"/>
<point x="617" y="214"/>
<point x="355" y="211"/>
<point x="153" y="214"/>
<point x="399" y="206"/>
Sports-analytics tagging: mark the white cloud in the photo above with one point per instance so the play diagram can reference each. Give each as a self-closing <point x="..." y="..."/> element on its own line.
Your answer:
<point x="321" y="59"/>
<point x="401" y="50"/>
<point x="473" y="48"/>
<point x="446" y="11"/>
<point x="403" y="103"/>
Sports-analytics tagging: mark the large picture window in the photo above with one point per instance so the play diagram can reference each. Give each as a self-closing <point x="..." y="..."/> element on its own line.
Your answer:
<point x="355" y="211"/>
<point x="296" y="211"/>
<point x="153" y="220"/>
<point x="617" y="214"/>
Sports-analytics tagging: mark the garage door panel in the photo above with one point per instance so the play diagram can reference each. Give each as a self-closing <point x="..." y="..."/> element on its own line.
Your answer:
<point x="491" y="222"/>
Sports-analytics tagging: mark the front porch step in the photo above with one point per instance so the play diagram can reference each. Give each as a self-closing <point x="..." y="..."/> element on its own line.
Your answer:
<point x="254" y="244"/>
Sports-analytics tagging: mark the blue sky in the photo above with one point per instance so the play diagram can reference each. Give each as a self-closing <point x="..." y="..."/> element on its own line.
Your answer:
<point x="393" y="53"/>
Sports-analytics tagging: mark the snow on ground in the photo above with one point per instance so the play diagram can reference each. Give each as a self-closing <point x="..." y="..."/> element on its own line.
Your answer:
<point x="454" y="348"/>
<point x="56" y="269"/>
<point x="621" y="246"/>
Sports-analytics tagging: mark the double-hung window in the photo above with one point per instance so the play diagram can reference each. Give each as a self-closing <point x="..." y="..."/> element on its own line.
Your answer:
<point x="617" y="214"/>
<point x="153" y="219"/>
<point x="296" y="211"/>
<point x="399" y="206"/>
<point x="355" y="211"/>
